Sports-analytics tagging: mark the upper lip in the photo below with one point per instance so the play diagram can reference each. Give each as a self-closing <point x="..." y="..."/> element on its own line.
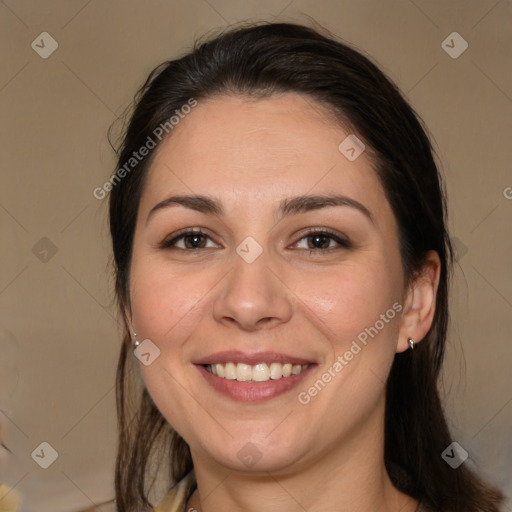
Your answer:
<point x="234" y="356"/>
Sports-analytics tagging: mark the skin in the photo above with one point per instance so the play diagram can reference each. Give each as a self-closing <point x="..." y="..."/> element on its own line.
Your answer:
<point x="251" y="154"/>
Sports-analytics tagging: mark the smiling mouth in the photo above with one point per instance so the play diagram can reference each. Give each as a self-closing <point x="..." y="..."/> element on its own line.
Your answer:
<point x="261" y="372"/>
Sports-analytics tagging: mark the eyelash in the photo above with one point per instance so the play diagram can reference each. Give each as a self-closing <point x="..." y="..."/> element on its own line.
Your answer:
<point x="343" y="243"/>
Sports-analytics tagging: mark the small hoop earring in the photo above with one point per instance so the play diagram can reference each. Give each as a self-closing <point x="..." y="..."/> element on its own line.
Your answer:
<point x="411" y="344"/>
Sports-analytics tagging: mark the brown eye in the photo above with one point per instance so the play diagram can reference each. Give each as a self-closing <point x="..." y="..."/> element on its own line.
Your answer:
<point x="191" y="240"/>
<point x="322" y="241"/>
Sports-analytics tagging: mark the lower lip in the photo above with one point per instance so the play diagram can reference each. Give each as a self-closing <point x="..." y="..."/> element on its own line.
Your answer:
<point x="253" y="391"/>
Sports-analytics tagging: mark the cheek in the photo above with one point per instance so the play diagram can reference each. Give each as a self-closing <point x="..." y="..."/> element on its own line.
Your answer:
<point x="162" y="298"/>
<point x="353" y="308"/>
<point x="349" y="300"/>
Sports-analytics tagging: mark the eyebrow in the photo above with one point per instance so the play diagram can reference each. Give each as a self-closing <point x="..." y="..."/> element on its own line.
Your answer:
<point x="287" y="207"/>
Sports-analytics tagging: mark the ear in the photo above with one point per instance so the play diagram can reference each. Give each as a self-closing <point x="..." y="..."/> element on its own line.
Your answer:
<point x="420" y="303"/>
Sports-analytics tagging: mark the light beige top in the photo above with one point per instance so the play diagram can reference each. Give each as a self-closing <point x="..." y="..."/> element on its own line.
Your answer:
<point x="9" y="499"/>
<point x="174" y="500"/>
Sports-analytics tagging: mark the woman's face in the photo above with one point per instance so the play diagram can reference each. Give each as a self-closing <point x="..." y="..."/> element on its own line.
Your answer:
<point x="263" y="283"/>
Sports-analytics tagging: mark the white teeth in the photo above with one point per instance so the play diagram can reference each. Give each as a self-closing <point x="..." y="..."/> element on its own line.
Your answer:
<point x="243" y="372"/>
<point x="276" y="370"/>
<point x="296" y="369"/>
<point x="229" y="371"/>
<point x="258" y="373"/>
<point x="220" y="370"/>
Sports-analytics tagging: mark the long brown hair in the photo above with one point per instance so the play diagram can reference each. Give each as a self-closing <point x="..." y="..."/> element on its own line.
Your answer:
<point x="260" y="60"/>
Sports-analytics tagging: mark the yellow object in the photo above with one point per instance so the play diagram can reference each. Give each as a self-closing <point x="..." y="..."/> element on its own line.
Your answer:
<point x="175" y="498"/>
<point x="9" y="499"/>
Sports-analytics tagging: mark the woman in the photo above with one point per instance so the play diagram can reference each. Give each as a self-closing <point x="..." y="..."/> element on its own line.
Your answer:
<point x="282" y="265"/>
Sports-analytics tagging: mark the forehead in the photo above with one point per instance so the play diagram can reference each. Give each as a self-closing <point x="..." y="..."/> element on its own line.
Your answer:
<point x="260" y="150"/>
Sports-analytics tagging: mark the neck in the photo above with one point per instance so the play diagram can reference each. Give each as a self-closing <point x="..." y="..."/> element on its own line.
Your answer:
<point x="347" y="477"/>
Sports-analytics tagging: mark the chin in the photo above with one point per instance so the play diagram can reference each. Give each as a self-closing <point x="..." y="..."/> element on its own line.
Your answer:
<point x="258" y="458"/>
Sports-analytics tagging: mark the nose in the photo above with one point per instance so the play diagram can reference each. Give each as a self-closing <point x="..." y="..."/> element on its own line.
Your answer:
<point x="252" y="296"/>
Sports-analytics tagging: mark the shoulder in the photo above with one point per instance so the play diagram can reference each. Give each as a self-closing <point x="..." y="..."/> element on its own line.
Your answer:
<point x="174" y="500"/>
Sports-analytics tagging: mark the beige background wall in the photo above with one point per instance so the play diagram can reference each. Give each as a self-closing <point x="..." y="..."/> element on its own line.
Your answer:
<point x="58" y="334"/>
